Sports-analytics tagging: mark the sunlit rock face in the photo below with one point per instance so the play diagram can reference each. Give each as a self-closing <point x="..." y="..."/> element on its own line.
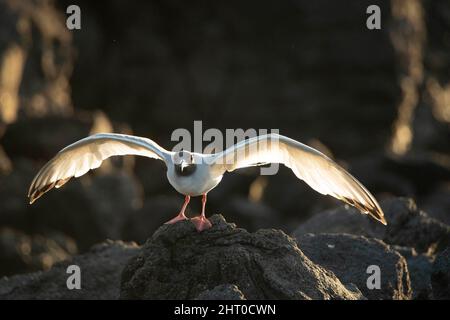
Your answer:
<point x="36" y="60"/>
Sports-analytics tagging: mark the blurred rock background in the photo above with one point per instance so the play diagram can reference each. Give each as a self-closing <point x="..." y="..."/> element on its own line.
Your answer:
<point x="377" y="101"/>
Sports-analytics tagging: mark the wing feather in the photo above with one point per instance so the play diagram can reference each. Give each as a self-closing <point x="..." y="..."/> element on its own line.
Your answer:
<point x="317" y="170"/>
<point x="78" y="158"/>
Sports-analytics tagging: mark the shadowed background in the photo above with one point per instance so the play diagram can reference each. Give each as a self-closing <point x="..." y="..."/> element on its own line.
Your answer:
<point x="378" y="102"/>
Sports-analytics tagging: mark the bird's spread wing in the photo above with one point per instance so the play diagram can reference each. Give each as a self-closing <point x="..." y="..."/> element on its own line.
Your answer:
<point x="89" y="153"/>
<point x="317" y="170"/>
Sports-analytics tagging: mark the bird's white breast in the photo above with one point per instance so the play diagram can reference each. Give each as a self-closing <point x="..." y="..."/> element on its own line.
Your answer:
<point x="200" y="182"/>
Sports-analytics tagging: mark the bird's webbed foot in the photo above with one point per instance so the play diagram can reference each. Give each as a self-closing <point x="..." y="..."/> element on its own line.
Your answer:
<point x="201" y="223"/>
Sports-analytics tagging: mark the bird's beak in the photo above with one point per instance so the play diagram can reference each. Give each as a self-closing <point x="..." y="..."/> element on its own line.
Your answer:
<point x="183" y="165"/>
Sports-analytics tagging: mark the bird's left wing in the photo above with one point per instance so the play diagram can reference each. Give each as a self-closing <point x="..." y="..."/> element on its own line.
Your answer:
<point x="86" y="154"/>
<point x="317" y="170"/>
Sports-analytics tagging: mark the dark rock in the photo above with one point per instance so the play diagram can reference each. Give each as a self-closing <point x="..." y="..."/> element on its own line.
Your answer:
<point x="437" y="204"/>
<point x="180" y="263"/>
<point x="13" y="188"/>
<point x="349" y="256"/>
<point x="343" y="219"/>
<point x="20" y="253"/>
<point x="222" y="292"/>
<point x="407" y="225"/>
<point x="440" y="276"/>
<point x="252" y="215"/>
<point x="100" y="276"/>
<point x="419" y="267"/>
<point x="406" y="252"/>
<point x="89" y="209"/>
<point x="142" y="223"/>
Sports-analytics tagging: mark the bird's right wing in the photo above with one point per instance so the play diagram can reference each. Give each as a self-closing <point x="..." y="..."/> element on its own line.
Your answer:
<point x="86" y="154"/>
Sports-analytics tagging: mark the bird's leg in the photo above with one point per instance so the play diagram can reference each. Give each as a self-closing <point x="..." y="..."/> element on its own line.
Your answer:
<point x="201" y="222"/>
<point x="181" y="216"/>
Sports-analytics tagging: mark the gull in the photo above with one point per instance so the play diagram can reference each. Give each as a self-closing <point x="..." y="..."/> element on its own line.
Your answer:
<point x="195" y="174"/>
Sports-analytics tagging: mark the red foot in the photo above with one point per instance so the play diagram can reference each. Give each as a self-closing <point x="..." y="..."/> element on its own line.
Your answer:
<point x="201" y="223"/>
<point x="179" y="217"/>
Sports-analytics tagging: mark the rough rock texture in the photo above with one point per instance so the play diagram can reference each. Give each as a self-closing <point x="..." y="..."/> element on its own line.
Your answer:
<point x="222" y="292"/>
<point x="410" y="231"/>
<point x="349" y="256"/>
<point x="440" y="277"/>
<point x="100" y="276"/>
<point x="407" y="225"/>
<point x="180" y="263"/>
<point x="410" y="226"/>
<point x="420" y="268"/>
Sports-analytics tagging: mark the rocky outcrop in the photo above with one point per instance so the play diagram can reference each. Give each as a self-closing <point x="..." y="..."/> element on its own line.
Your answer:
<point x="229" y="263"/>
<point x="410" y="231"/>
<point x="100" y="276"/>
<point x="179" y="263"/>
<point x="420" y="268"/>
<point x="440" y="276"/>
<point x="407" y="225"/>
<point x="349" y="258"/>
<point x="222" y="292"/>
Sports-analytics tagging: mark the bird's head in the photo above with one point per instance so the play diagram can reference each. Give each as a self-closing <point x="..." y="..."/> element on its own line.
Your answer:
<point x="184" y="163"/>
